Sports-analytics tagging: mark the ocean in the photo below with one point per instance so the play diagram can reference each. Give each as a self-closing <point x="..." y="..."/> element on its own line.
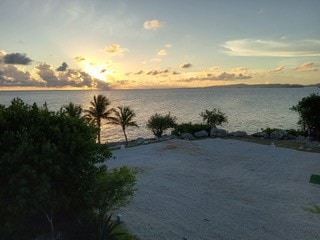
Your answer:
<point x="248" y="109"/>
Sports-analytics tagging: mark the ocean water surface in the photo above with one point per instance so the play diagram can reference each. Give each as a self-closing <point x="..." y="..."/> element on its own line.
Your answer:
<point x="247" y="109"/>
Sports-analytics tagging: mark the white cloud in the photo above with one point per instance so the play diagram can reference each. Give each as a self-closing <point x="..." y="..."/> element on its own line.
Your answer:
<point x="116" y="50"/>
<point x="155" y="60"/>
<point x="153" y="24"/>
<point x="307" y="67"/>
<point x="250" y="47"/>
<point x="162" y="53"/>
<point x="168" y="45"/>
<point x="278" y="69"/>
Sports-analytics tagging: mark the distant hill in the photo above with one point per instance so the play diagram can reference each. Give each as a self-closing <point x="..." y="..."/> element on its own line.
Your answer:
<point x="276" y="85"/>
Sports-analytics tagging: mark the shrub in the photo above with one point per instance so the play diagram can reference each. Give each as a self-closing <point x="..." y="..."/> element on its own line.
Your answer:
<point x="49" y="170"/>
<point x="309" y="112"/>
<point x="190" y="128"/>
<point x="213" y="118"/>
<point x="158" y="123"/>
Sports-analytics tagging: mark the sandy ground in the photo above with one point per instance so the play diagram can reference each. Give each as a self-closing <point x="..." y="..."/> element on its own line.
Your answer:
<point x="221" y="189"/>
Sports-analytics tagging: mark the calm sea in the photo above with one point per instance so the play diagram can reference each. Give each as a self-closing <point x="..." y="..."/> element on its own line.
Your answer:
<point x="248" y="109"/>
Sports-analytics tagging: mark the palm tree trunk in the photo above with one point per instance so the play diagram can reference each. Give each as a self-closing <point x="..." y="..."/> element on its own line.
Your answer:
<point x="125" y="135"/>
<point x="99" y="129"/>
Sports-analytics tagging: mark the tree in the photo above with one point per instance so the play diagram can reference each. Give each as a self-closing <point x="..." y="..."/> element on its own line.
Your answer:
<point x="72" y="110"/>
<point x="97" y="112"/>
<point x="214" y="117"/>
<point x="309" y="112"/>
<point x="49" y="169"/>
<point x="158" y="123"/>
<point x="124" y="118"/>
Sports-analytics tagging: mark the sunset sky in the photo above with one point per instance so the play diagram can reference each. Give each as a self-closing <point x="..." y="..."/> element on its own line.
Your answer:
<point x="107" y="44"/>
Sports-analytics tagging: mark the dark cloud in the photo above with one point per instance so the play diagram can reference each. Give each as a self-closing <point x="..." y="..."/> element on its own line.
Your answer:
<point x="139" y="72"/>
<point x="217" y="77"/>
<point x="16" y="58"/>
<point x="156" y="72"/>
<point x="186" y="65"/>
<point x="63" y="67"/>
<point x="175" y="73"/>
<point x="11" y="76"/>
<point x="79" y="59"/>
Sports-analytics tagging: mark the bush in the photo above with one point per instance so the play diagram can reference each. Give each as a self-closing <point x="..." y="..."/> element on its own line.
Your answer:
<point x="213" y="118"/>
<point x="309" y="112"/>
<point x="190" y="128"/>
<point x="158" y="123"/>
<point x="49" y="170"/>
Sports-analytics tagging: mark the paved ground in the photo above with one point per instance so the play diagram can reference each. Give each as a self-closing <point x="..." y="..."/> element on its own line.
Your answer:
<point x="221" y="189"/>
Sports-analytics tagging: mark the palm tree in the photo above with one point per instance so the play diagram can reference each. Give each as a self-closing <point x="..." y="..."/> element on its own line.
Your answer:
<point x="123" y="117"/>
<point x="98" y="111"/>
<point x="72" y="110"/>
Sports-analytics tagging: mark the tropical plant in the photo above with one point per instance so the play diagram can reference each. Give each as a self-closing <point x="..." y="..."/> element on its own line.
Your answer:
<point x="213" y="118"/>
<point x="49" y="170"/>
<point x="106" y="228"/>
<point x="190" y="128"/>
<point x="309" y="111"/>
<point x="97" y="112"/>
<point x="158" y="123"/>
<point x="72" y="110"/>
<point x="123" y="116"/>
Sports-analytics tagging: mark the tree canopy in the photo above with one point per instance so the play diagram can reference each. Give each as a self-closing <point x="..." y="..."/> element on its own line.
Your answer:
<point x="214" y="117"/>
<point x="48" y="168"/>
<point x="158" y="123"/>
<point x="308" y="109"/>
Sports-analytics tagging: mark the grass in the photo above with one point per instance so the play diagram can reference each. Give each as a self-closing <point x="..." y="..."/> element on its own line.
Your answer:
<point x="126" y="234"/>
<point x="313" y="209"/>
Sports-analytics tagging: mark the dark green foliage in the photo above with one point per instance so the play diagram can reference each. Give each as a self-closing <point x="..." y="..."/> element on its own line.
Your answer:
<point x="123" y="116"/>
<point x="309" y="112"/>
<point x="106" y="229"/>
<point x="315" y="179"/>
<point x="48" y="171"/>
<point x="112" y="189"/>
<point x="72" y="110"/>
<point x="190" y="128"/>
<point x="158" y="123"/>
<point x="97" y="112"/>
<point x="213" y="118"/>
<point x="269" y="130"/>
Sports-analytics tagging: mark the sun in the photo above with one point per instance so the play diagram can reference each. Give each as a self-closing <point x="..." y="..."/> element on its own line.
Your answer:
<point x="99" y="71"/>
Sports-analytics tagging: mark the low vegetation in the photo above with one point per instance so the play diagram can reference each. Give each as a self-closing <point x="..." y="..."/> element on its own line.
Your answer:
<point x="308" y="109"/>
<point x="158" y="123"/>
<point x="190" y="128"/>
<point x="214" y="117"/>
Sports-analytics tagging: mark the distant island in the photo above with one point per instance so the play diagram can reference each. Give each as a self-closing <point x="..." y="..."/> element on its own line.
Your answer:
<point x="274" y="85"/>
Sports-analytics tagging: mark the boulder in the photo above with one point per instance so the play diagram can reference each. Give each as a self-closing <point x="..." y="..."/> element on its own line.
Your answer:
<point x="279" y="134"/>
<point x="139" y="141"/>
<point x="261" y="134"/>
<point x="201" y="134"/>
<point x="239" y="134"/>
<point x="187" y="136"/>
<point x="215" y="132"/>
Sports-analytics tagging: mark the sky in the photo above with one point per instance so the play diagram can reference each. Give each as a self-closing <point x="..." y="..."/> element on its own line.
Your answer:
<point x="134" y="44"/>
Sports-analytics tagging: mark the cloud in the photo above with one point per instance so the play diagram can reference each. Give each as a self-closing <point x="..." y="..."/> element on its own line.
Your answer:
<point x="278" y="69"/>
<point x="115" y="50"/>
<point x="217" y="77"/>
<point x="240" y="69"/>
<point x="11" y="76"/>
<point x="139" y="72"/>
<point x="16" y="58"/>
<point x="214" y="68"/>
<point x="186" y="65"/>
<point x="168" y="45"/>
<point x="79" y="59"/>
<point x="269" y="48"/>
<point x="307" y="67"/>
<point x="153" y="24"/>
<point x="162" y="53"/>
<point x="63" y="67"/>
